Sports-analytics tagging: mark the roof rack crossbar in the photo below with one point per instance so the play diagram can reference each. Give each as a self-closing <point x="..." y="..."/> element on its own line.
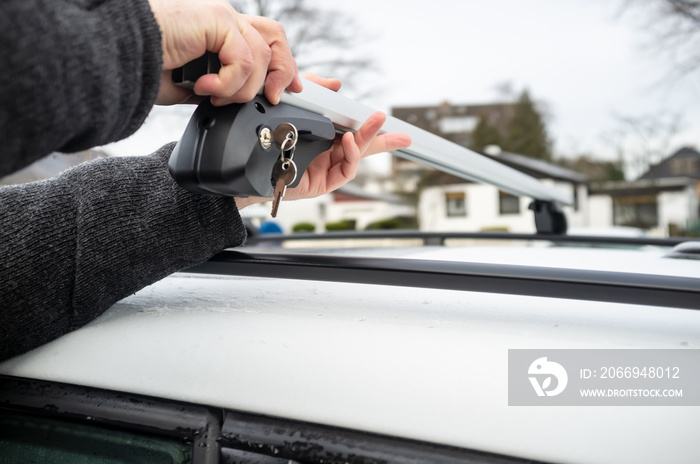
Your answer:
<point x="427" y="149"/>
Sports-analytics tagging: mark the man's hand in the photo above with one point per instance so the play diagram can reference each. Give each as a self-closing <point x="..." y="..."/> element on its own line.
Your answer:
<point x="253" y="51"/>
<point x="334" y="168"/>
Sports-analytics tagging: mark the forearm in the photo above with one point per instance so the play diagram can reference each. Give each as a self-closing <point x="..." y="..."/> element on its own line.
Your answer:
<point x="76" y="244"/>
<point x="75" y="74"/>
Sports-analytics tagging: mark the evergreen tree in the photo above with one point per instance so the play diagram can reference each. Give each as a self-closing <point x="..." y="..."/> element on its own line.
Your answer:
<point x="526" y="133"/>
<point x="484" y="135"/>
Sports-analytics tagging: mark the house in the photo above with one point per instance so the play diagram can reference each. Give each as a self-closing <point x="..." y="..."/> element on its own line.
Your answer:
<point x="664" y="200"/>
<point x="684" y="163"/>
<point x="451" y="203"/>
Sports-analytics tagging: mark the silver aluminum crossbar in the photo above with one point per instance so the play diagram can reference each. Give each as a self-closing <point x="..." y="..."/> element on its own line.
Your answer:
<point x="427" y="149"/>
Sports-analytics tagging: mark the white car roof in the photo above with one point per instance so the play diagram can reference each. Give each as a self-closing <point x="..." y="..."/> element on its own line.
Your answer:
<point x="418" y="363"/>
<point x="650" y="260"/>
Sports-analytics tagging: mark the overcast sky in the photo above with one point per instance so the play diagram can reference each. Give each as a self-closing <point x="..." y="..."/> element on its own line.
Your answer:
<point x="579" y="57"/>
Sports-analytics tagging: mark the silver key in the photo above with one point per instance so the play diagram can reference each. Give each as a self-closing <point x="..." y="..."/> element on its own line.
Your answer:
<point x="283" y="174"/>
<point x="283" y="132"/>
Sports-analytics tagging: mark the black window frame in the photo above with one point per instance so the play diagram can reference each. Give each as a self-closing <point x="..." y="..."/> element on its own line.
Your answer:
<point x="640" y="211"/>
<point x="452" y="205"/>
<point x="505" y="202"/>
<point x="226" y="436"/>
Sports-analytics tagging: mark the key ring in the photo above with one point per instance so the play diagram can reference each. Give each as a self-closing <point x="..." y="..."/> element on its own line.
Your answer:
<point x="291" y="150"/>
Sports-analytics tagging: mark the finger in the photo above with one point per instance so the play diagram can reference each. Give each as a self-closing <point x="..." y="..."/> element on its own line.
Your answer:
<point x="281" y="75"/>
<point x="363" y="137"/>
<point x="240" y="77"/>
<point x="237" y="62"/>
<point x="345" y="171"/>
<point x="261" y="60"/>
<point x="332" y="84"/>
<point x="369" y="130"/>
<point x="297" y="85"/>
<point x="337" y="153"/>
<point x="388" y="142"/>
<point x="282" y="72"/>
<point x="370" y="143"/>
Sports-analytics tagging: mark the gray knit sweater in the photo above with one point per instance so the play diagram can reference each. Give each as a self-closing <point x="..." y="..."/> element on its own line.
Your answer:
<point x="75" y="74"/>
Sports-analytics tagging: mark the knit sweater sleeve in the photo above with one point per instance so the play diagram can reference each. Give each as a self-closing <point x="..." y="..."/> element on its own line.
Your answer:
<point x="74" y="245"/>
<point x="75" y="74"/>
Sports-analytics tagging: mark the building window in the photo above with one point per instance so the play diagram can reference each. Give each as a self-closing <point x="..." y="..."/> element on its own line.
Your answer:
<point x="636" y="211"/>
<point x="456" y="204"/>
<point x="458" y="124"/>
<point x="507" y="203"/>
<point x="684" y="166"/>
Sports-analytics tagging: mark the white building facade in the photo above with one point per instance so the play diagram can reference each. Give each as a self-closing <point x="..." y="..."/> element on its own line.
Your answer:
<point x="471" y="207"/>
<point x="664" y="206"/>
<point x="452" y="204"/>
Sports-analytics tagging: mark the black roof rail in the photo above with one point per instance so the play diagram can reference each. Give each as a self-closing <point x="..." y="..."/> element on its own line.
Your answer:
<point x="577" y="284"/>
<point x="439" y="238"/>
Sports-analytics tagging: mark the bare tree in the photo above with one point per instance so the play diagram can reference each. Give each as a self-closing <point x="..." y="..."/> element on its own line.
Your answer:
<point x="640" y="141"/>
<point x="674" y="26"/>
<point x="322" y="40"/>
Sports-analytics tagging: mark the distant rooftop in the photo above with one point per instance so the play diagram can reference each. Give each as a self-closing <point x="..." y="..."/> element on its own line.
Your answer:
<point x="531" y="166"/>
<point x="538" y="168"/>
<point x="683" y="163"/>
<point x="642" y="186"/>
